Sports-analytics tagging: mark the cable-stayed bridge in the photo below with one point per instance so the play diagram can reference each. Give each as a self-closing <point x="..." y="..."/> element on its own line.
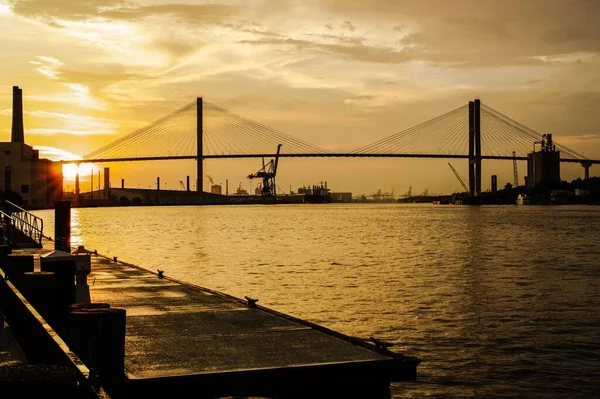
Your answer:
<point x="202" y="130"/>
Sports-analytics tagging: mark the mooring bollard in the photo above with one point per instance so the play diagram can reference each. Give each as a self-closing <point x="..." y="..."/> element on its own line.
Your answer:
<point x="97" y="335"/>
<point x="39" y="288"/>
<point x="15" y="265"/>
<point x="64" y="266"/>
<point x="5" y="250"/>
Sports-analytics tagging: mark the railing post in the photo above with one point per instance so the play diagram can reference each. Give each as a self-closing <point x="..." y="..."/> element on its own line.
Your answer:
<point x="17" y="218"/>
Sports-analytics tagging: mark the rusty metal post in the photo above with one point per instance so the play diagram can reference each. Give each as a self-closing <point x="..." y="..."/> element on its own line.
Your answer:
<point x="62" y="226"/>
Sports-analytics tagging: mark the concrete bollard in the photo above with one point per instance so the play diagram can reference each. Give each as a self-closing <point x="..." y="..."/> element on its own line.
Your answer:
<point x="15" y="265"/>
<point x="97" y="336"/>
<point x="65" y="281"/>
<point x="39" y="288"/>
<point x="5" y="250"/>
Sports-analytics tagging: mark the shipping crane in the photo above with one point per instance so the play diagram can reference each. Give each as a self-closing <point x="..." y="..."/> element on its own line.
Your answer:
<point x="267" y="173"/>
<point x="515" y="170"/>
<point x="460" y="179"/>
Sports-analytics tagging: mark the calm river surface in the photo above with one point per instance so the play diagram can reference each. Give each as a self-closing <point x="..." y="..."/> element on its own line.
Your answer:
<point x="498" y="301"/>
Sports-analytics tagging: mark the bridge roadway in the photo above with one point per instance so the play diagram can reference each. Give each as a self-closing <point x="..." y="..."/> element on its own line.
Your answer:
<point x="322" y="155"/>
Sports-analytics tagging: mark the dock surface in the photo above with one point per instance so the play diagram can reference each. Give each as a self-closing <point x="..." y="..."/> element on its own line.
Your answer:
<point x="181" y="336"/>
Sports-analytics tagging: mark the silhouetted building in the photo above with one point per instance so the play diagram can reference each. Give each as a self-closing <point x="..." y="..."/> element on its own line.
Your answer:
<point x="494" y="183"/>
<point x="543" y="165"/>
<point x="39" y="182"/>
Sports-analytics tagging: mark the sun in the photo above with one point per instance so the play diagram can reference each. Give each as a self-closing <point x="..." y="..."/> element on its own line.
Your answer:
<point x="70" y="170"/>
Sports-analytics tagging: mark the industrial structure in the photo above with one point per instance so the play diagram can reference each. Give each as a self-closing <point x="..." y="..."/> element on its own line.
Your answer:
<point x="460" y="179"/>
<point x="38" y="182"/>
<point x="543" y="165"/>
<point x="494" y="184"/>
<point x="267" y="173"/>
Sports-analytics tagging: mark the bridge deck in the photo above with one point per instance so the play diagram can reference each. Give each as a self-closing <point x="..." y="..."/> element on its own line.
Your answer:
<point x="182" y="334"/>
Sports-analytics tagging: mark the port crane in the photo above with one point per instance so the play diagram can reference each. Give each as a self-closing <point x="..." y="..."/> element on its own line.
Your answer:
<point x="460" y="179"/>
<point x="379" y="196"/>
<point x="267" y="173"/>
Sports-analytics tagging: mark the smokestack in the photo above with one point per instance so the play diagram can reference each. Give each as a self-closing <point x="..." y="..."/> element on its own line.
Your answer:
<point x="18" y="136"/>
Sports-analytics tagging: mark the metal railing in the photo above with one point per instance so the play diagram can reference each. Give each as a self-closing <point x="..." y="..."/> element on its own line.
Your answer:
<point x="5" y="224"/>
<point x="23" y="221"/>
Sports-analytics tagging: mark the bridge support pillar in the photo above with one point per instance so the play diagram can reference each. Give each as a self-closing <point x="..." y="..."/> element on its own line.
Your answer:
<point x="471" y="148"/>
<point x="477" y="146"/>
<point x="200" y="159"/>
<point x="187" y="183"/>
<point x="158" y="183"/>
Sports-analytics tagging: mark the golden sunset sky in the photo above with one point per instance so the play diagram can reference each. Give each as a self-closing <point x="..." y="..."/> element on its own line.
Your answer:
<point x="338" y="74"/>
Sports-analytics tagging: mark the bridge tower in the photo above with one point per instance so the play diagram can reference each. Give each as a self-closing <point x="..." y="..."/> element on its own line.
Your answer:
<point x="200" y="158"/>
<point x="472" y="148"/>
<point x="475" y="147"/>
<point x="478" y="146"/>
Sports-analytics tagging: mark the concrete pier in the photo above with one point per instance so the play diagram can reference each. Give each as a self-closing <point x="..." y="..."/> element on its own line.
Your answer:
<point x="179" y="336"/>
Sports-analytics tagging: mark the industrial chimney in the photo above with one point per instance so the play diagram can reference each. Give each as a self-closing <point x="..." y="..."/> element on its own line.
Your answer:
<point x="18" y="136"/>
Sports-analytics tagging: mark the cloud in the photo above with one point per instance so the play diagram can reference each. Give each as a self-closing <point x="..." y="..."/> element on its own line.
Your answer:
<point x="190" y="13"/>
<point x="348" y="25"/>
<point x="52" y="11"/>
<point x="56" y="154"/>
<point x="568" y="59"/>
<point x="68" y="123"/>
<point x="347" y="48"/>
<point x="47" y="66"/>
<point x="561" y="36"/>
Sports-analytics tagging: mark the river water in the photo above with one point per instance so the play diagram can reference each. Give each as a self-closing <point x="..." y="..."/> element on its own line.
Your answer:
<point x="497" y="301"/>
